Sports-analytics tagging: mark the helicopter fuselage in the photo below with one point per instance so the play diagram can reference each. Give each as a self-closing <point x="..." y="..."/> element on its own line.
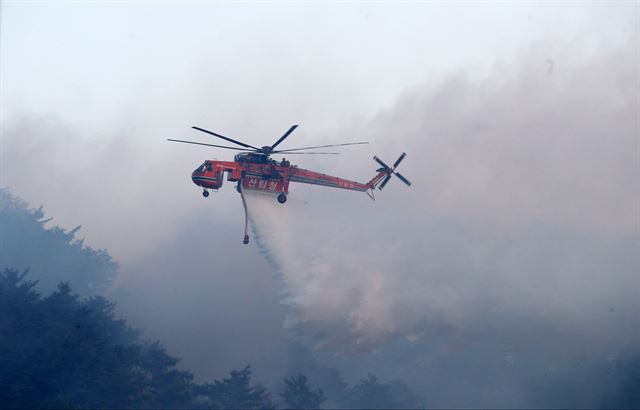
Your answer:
<point x="269" y="175"/>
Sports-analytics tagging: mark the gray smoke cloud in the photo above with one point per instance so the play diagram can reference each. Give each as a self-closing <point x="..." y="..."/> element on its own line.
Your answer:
<point x="524" y="206"/>
<point x="509" y="267"/>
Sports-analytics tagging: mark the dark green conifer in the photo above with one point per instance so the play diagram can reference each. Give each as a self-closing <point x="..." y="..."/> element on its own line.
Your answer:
<point x="298" y="395"/>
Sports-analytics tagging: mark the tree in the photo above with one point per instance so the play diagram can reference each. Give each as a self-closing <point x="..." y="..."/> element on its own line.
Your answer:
<point x="298" y="395"/>
<point x="404" y="396"/>
<point x="52" y="254"/>
<point x="236" y="392"/>
<point x="329" y="379"/>
<point x="61" y="351"/>
<point x="371" y="394"/>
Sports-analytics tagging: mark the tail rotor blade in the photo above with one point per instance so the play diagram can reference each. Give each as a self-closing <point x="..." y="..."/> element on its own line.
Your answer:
<point x="384" y="181"/>
<point x="381" y="163"/>
<point x="405" y="180"/>
<point x="386" y="169"/>
<point x="399" y="160"/>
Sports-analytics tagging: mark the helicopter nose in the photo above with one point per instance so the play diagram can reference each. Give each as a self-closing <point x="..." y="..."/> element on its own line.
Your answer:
<point x="207" y="179"/>
<point x="196" y="177"/>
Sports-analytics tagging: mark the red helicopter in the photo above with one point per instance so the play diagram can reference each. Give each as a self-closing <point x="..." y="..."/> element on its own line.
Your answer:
<point x="253" y="169"/>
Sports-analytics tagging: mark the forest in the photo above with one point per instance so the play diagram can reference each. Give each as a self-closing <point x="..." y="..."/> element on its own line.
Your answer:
<point x="63" y="346"/>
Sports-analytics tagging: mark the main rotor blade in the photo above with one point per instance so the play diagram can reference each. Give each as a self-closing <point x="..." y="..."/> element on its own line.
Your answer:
<point x="322" y="146"/>
<point x="379" y="161"/>
<point x="208" y="145"/>
<point x="224" y="138"/>
<point x="405" y="180"/>
<point x="286" y="134"/>
<point x="310" y="153"/>
<point x="384" y="181"/>
<point x="404" y="154"/>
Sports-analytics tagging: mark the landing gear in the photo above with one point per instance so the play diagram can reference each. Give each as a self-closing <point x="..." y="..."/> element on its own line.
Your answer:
<point x="282" y="198"/>
<point x="205" y="193"/>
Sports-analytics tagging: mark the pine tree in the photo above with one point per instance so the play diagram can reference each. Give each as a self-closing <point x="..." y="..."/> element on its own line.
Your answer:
<point x="236" y="392"/>
<point x="371" y="394"/>
<point x="61" y="351"/>
<point x="52" y="254"/>
<point x="298" y="395"/>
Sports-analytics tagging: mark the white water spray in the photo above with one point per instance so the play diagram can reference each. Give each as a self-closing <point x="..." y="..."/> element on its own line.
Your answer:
<point x="336" y="291"/>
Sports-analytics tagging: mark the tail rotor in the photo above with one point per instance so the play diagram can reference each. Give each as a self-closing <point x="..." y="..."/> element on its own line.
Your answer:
<point x="391" y="171"/>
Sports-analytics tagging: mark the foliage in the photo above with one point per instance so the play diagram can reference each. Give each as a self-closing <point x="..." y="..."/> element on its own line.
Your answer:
<point x="298" y="395"/>
<point x="64" y="351"/>
<point x="404" y="396"/>
<point x="328" y="378"/>
<point x="61" y="351"/>
<point x="52" y="255"/>
<point x="372" y="394"/>
<point x="236" y="392"/>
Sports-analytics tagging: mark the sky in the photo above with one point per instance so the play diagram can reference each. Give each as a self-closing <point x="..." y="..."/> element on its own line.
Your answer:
<point x="514" y="251"/>
<point x="112" y="72"/>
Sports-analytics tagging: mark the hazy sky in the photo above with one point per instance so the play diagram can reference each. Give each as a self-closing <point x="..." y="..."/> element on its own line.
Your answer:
<point x="122" y="77"/>
<point x="125" y="76"/>
<point x="516" y="245"/>
<point x="91" y="63"/>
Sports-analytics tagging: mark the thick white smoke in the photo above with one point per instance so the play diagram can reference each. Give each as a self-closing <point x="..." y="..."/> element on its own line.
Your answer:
<point x="523" y="208"/>
<point x="320" y="269"/>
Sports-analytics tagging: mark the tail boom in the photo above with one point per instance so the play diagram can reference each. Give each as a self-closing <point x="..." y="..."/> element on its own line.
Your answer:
<point x="383" y="175"/>
<point x="376" y="180"/>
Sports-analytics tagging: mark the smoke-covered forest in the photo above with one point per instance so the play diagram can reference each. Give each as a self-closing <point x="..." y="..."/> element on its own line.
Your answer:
<point x="63" y="346"/>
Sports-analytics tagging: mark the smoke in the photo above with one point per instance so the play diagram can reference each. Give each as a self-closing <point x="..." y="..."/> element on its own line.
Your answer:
<point x="512" y="257"/>
<point x="523" y="213"/>
<point x="311" y="266"/>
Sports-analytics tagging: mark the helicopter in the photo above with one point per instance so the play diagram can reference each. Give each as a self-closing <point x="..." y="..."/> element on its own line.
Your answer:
<point x="252" y="169"/>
